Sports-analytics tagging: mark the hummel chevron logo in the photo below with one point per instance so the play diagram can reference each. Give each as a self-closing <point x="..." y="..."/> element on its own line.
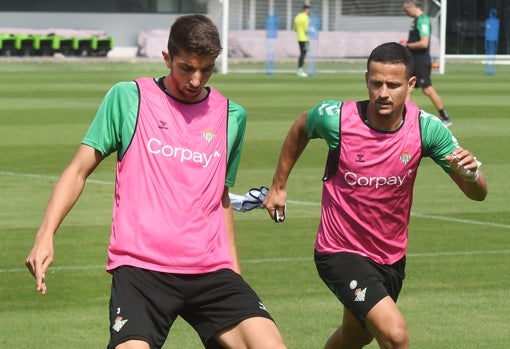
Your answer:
<point x="360" y="295"/>
<point x="330" y="109"/>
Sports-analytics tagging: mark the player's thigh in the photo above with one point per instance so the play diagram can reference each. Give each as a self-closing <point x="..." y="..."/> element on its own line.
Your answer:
<point x="353" y="332"/>
<point x="255" y="332"/>
<point x="386" y="323"/>
<point x="133" y="344"/>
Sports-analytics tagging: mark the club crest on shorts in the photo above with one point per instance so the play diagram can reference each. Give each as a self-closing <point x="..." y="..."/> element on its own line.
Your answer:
<point x="119" y="322"/>
<point x="360" y="294"/>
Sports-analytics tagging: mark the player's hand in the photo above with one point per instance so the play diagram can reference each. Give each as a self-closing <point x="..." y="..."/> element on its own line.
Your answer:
<point x="38" y="261"/>
<point x="275" y="203"/>
<point x="464" y="163"/>
<point x="402" y="42"/>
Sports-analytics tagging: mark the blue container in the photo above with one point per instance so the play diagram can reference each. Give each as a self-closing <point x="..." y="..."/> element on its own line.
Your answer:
<point x="272" y="24"/>
<point x="491" y="41"/>
<point x="313" y="37"/>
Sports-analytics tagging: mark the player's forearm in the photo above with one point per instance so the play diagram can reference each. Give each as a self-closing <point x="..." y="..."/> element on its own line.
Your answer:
<point x="467" y="174"/>
<point x="476" y="190"/>
<point x="65" y="194"/>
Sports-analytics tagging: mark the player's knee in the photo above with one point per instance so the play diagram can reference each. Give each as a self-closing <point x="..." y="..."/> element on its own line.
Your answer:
<point x="396" y="338"/>
<point x="428" y="90"/>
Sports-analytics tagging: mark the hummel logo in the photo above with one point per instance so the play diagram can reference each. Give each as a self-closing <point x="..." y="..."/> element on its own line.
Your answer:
<point x="329" y="109"/>
<point x="163" y="124"/>
<point x="262" y="306"/>
<point x="360" y="294"/>
<point x="119" y="323"/>
<point x="360" y="157"/>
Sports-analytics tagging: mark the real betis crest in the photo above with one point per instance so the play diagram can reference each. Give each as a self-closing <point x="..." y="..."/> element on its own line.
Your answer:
<point x="405" y="157"/>
<point x="208" y="135"/>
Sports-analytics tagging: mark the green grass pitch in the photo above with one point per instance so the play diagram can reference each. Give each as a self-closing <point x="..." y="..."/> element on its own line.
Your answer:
<point x="458" y="273"/>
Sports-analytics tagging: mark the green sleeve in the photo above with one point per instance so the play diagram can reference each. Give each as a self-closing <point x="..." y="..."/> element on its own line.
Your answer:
<point x="323" y="121"/>
<point x="423" y="25"/>
<point x="114" y="124"/>
<point x="236" y="130"/>
<point x="437" y="140"/>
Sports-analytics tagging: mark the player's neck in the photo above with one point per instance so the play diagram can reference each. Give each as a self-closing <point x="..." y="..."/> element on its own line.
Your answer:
<point x="382" y="124"/>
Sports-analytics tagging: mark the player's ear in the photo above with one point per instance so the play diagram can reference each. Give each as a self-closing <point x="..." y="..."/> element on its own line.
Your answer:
<point x="167" y="58"/>
<point x="411" y="83"/>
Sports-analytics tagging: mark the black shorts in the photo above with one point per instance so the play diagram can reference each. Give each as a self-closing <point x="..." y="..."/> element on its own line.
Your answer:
<point x="144" y="304"/>
<point x="358" y="282"/>
<point x="422" y="71"/>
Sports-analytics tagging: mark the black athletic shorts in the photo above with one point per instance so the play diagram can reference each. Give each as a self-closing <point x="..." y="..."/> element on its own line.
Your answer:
<point x="358" y="282"/>
<point x="422" y="71"/>
<point x="144" y="304"/>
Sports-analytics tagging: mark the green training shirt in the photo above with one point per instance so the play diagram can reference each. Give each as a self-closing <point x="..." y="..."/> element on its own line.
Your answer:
<point x="114" y="125"/>
<point x="437" y="140"/>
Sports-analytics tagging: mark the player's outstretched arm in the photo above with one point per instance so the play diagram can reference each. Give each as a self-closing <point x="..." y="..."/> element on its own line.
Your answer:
<point x="65" y="194"/>
<point x="467" y="174"/>
<point x="294" y="144"/>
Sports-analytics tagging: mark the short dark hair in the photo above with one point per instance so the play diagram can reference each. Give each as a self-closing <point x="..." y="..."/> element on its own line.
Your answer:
<point x="393" y="53"/>
<point x="306" y="7"/>
<point x="194" y="33"/>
